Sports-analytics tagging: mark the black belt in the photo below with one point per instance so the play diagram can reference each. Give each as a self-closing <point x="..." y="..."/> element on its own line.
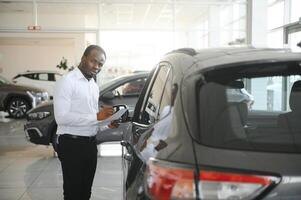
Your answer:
<point x="79" y="137"/>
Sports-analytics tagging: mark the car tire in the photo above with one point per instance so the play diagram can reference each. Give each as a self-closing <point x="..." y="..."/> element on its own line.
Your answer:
<point x="17" y="107"/>
<point x="54" y="139"/>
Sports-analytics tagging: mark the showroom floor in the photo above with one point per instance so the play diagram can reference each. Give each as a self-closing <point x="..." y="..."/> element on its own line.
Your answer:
<point x="29" y="171"/>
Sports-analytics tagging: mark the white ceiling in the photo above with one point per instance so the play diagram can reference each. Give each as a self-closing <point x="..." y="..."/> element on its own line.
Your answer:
<point x="123" y="14"/>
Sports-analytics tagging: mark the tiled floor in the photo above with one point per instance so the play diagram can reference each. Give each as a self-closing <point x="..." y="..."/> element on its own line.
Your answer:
<point x="31" y="172"/>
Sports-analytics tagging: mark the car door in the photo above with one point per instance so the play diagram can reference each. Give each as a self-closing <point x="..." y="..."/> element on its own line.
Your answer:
<point x="146" y="115"/>
<point x="26" y="79"/>
<point x="46" y="81"/>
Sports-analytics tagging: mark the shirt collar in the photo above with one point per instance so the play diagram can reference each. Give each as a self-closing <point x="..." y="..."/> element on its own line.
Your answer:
<point x="79" y="74"/>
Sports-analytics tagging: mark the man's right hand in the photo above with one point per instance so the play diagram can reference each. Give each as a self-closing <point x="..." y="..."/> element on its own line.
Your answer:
<point x="105" y="113"/>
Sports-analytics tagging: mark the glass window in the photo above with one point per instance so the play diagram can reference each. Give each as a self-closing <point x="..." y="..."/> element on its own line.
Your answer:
<point x="152" y="106"/>
<point x="165" y="104"/>
<point x="42" y="77"/>
<point x="295" y="41"/>
<point x="81" y="15"/>
<point x="142" y="16"/>
<point x="268" y="92"/>
<point x="153" y="140"/>
<point x="275" y="39"/>
<point x="51" y="77"/>
<point x="271" y="1"/>
<point x="271" y="124"/>
<point x="295" y="12"/>
<point x="130" y="88"/>
<point x="31" y="76"/>
<point x="276" y="15"/>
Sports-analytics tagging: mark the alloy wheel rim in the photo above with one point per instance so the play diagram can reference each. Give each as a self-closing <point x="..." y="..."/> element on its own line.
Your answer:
<point x="18" y="108"/>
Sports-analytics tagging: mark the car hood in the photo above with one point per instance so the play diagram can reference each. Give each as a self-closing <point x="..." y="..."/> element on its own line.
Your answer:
<point x="45" y="106"/>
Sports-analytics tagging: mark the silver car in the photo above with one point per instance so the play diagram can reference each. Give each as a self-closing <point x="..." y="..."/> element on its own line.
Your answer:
<point x="17" y="100"/>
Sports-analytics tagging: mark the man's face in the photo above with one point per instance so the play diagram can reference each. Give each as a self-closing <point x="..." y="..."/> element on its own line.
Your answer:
<point x="93" y="63"/>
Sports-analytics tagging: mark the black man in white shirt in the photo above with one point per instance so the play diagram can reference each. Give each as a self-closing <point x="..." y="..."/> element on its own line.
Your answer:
<point x="77" y="114"/>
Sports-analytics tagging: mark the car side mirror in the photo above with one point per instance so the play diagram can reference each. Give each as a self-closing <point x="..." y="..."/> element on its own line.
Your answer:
<point x="108" y="96"/>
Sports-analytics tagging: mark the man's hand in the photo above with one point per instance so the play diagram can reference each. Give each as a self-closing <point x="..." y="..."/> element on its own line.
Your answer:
<point x="113" y="124"/>
<point x="105" y="113"/>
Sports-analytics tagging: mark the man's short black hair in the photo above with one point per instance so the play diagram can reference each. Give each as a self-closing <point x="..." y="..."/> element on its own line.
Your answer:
<point x="91" y="47"/>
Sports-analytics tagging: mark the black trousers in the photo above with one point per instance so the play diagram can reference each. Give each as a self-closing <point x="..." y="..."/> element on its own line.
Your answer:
<point x="78" y="158"/>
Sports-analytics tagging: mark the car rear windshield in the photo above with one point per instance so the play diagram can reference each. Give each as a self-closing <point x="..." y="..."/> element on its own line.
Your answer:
<point x="255" y="107"/>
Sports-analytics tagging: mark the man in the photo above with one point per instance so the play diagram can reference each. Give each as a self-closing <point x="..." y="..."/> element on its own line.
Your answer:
<point x="76" y="113"/>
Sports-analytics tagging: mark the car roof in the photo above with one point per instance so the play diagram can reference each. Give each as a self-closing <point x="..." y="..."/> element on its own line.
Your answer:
<point x="40" y="71"/>
<point x="214" y="57"/>
<point x="121" y="79"/>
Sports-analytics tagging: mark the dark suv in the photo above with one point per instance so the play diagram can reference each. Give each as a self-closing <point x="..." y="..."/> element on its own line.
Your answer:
<point x="17" y="100"/>
<point x="190" y="139"/>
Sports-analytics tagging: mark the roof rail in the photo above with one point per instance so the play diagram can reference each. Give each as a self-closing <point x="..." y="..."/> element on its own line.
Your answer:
<point x="188" y="51"/>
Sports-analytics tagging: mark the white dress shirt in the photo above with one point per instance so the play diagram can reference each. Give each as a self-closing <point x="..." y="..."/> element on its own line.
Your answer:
<point x="76" y="105"/>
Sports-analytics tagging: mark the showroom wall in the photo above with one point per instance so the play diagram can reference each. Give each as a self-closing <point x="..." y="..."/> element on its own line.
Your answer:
<point x="22" y="54"/>
<point x="23" y="51"/>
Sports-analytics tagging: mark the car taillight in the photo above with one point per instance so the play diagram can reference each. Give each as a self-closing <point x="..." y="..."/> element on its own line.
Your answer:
<point x="164" y="182"/>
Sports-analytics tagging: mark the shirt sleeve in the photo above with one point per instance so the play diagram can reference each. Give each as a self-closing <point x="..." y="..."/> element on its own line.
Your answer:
<point x="62" y="107"/>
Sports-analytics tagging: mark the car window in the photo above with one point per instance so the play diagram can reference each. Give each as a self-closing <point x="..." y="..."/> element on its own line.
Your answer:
<point x="165" y="104"/>
<point x="51" y="77"/>
<point x="30" y="76"/>
<point x="133" y="87"/>
<point x="153" y="140"/>
<point x="270" y="124"/>
<point x="43" y="77"/>
<point x="276" y="92"/>
<point x="152" y="104"/>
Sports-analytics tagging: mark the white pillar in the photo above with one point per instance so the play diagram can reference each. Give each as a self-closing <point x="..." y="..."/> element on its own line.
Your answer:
<point x="257" y="22"/>
<point x="214" y="26"/>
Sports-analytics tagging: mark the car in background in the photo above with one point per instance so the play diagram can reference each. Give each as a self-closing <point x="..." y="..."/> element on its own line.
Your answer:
<point x="40" y="79"/>
<point x="189" y="138"/>
<point x="40" y="127"/>
<point x="17" y="100"/>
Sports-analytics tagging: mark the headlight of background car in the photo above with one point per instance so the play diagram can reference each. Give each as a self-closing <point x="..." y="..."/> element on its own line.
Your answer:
<point x="37" y="115"/>
<point x="39" y="96"/>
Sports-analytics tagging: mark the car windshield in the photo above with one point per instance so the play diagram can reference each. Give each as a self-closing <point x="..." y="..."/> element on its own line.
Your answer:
<point x="4" y="80"/>
<point x="263" y="116"/>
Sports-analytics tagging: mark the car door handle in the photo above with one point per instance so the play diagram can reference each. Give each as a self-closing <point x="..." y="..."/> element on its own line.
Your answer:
<point x="128" y="157"/>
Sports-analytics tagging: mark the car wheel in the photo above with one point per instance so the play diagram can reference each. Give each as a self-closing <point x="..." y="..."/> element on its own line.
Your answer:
<point x="17" y="107"/>
<point x="54" y="140"/>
